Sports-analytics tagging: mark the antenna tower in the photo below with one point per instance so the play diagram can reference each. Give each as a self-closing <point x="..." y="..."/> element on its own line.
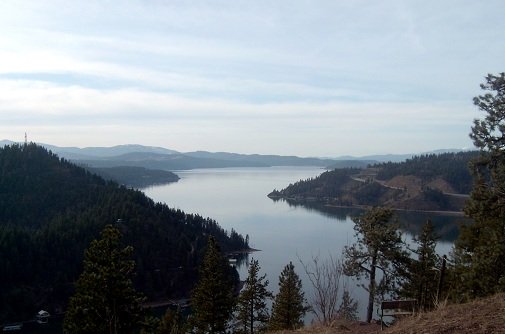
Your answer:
<point x="26" y="139"/>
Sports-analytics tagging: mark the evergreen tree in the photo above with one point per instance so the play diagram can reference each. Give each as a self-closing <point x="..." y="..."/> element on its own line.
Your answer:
<point x="348" y="309"/>
<point x="480" y="250"/>
<point x="252" y="307"/>
<point x="289" y="305"/>
<point x="378" y="246"/>
<point x="171" y="323"/>
<point x="212" y="299"/>
<point x="105" y="300"/>
<point x="423" y="277"/>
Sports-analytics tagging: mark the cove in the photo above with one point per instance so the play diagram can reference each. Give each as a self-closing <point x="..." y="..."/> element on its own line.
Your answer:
<point x="283" y="232"/>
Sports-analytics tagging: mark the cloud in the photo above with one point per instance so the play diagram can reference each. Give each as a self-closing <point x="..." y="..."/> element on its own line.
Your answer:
<point x="218" y="124"/>
<point x="267" y="75"/>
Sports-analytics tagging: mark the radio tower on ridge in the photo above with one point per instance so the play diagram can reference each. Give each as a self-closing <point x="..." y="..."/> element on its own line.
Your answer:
<point x="26" y="139"/>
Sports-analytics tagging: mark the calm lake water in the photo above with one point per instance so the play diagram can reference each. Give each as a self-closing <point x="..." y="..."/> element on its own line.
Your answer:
<point x="237" y="198"/>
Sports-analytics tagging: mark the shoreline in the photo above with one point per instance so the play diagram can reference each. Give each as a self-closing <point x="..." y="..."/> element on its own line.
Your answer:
<point x="365" y="207"/>
<point x="243" y="251"/>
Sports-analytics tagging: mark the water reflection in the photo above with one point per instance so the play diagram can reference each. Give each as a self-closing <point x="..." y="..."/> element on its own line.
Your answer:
<point x="447" y="226"/>
<point x="283" y="231"/>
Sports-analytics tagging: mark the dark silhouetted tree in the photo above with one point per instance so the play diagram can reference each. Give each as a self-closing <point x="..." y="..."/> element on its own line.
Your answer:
<point x="105" y="300"/>
<point x="423" y="275"/>
<point x="480" y="250"/>
<point x="212" y="298"/>
<point x="289" y="306"/>
<point x="378" y="247"/>
<point x="253" y="314"/>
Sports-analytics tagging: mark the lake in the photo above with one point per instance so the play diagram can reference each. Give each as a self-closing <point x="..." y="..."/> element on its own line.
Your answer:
<point x="237" y="198"/>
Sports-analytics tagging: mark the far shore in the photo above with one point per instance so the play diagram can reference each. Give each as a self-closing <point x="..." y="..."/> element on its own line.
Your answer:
<point x="243" y="251"/>
<point x="365" y="207"/>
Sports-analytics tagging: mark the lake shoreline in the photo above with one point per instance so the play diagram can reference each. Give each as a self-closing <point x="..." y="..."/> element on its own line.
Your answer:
<point x="365" y="207"/>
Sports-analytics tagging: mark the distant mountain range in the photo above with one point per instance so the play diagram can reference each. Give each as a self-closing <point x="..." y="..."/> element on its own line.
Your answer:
<point x="152" y="157"/>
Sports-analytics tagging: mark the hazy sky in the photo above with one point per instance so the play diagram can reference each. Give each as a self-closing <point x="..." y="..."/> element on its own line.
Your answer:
<point x="310" y="78"/>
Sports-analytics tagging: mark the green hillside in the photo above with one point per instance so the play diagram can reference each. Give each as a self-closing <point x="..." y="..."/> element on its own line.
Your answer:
<point x="50" y="210"/>
<point x="428" y="182"/>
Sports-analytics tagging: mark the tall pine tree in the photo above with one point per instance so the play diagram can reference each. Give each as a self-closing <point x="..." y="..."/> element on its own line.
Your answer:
<point x="289" y="306"/>
<point x="253" y="313"/>
<point x="378" y="247"/>
<point x="480" y="249"/>
<point x="423" y="276"/>
<point x="212" y="299"/>
<point x="105" y="300"/>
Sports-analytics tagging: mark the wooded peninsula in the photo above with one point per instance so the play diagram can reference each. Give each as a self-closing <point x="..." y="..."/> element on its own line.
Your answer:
<point x="432" y="182"/>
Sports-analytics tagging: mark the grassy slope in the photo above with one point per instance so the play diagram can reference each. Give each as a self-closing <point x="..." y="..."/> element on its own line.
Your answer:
<point x="483" y="316"/>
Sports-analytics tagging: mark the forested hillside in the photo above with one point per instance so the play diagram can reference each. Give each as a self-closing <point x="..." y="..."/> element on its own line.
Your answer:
<point x="50" y="210"/>
<point x="428" y="182"/>
<point x="451" y="167"/>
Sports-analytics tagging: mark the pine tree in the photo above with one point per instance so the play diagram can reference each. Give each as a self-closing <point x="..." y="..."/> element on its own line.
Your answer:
<point x="289" y="306"/>
<point x="480" y="250"/>
<point x="252" y="307"/>
<point x="105" y="300"/>
<point x="212" y="299"/>
<point x="171" y="323"/>
<point x="378" y="246"/>
<point x="348" y="309"/>
<point x="423" y="276"/>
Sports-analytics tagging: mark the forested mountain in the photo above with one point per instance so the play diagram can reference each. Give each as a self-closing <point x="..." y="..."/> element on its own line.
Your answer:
<point x="91" y="152"/>
<point x="163" y="161"/>
<point x="427" y="182"/>
<point x="260" y="159"/>
<point x="51" y="209"/>
<point x="193" y="160"/>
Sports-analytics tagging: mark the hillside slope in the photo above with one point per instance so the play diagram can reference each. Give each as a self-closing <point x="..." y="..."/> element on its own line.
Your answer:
<point x="429" y="183"/>
<point x="483" y="316"/>
<point x="50" y="210"/>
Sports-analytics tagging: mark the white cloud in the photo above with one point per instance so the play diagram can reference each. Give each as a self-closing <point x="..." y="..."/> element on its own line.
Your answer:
<point x="284" y="75"/>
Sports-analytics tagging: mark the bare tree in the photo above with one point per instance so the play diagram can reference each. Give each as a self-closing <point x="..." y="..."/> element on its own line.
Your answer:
<point x="324" y="275"/>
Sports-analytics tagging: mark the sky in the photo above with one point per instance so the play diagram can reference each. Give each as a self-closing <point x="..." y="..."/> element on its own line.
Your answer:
<point x="307" y="78"/>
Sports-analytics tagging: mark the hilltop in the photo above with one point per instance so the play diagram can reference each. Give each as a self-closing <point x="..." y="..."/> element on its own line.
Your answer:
<point x="429" y="183"/>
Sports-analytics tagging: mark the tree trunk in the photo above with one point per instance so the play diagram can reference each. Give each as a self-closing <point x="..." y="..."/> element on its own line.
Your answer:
<point x="251" y="315"/>
<point x="371" y="288"/>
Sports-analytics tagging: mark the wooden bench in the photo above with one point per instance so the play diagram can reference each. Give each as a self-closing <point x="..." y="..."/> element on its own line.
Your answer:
<point x="394" y="308"/>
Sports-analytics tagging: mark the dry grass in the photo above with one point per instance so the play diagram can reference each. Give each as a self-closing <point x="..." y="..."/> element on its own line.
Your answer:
<point x="484" y="316"/>
<point x="337" y="327"/>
